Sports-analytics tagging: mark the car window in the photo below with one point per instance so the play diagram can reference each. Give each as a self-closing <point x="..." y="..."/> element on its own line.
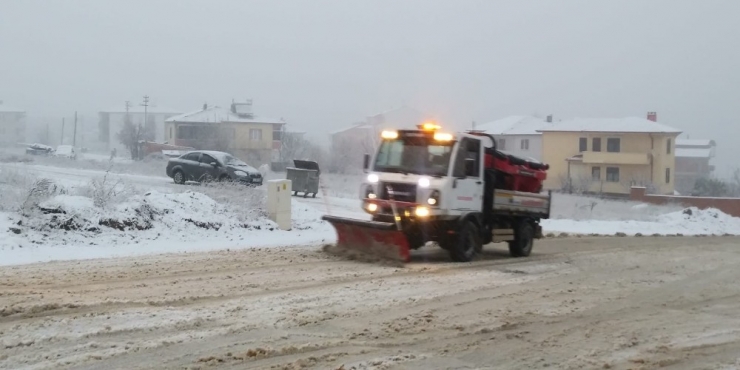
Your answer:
<point x="205" y="158"/>
<point x="192" y="157"/>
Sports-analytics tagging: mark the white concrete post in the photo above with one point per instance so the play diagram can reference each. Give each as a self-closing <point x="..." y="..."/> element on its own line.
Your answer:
<point x="278" y="202"/>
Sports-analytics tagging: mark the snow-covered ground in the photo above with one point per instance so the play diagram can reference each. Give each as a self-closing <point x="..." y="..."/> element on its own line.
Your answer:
<point x="57" y="209"/>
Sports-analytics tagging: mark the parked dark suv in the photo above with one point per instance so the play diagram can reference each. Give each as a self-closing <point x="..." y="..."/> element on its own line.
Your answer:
<point x="204" y="165"/>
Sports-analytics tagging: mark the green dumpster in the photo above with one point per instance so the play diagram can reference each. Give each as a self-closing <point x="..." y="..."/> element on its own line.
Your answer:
<point x="304" y="177"/>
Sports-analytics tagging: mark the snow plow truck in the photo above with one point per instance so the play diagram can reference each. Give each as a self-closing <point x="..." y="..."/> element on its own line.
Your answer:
<point x="456" y="190"/>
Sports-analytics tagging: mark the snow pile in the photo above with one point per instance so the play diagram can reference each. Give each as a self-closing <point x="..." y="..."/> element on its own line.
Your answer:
<point x="73" y="227"/>
<point x="690" y="221"/>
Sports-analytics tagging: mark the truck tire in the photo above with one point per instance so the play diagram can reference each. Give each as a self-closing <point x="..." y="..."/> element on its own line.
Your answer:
<point x="523" y="240"/>
<point x="468" y="243"/>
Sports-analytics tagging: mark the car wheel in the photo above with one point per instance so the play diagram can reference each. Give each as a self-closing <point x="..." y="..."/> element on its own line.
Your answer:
<point x="179" y="177"/>
<point x="224" y="178"/>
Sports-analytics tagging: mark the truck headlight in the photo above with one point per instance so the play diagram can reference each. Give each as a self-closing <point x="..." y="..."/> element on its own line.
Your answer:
<point x="424" y="182"/>
<point x="422" y="212"/>
<point x="372" y="178"/>
<point x="371" y="207"/>
<point x="433" y="199"/>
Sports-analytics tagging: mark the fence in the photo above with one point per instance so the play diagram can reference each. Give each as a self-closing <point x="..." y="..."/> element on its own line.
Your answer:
<point x="730" y="206"/>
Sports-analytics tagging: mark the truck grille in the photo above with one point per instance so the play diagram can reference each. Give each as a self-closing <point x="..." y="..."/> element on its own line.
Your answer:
<point x="398" y="191"/>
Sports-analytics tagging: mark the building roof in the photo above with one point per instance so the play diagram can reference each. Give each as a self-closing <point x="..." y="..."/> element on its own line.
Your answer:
<point x="694" y="153"/>
<point x="216" y="114"/>
<point x="403" y="117"/>
<point x="626" y="125"/>
<point x="687" y="143"/>
<point x="357" y="126"/>
<point x="515" y="125"/>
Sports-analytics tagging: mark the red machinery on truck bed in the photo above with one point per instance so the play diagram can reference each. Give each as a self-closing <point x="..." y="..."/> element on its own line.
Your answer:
<point x="512" y="172"/>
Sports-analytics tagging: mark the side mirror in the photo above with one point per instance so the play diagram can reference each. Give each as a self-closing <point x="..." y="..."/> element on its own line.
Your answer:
<point x="366" y="162"/>
<point x="214" y="164"/>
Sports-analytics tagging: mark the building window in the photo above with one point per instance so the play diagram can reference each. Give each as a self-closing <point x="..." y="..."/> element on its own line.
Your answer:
<point x="186" y="132"/>
<point x="668" y="146"/>
<point x="172" y="135"/>
<point x="524" y="144"/>
<point x="255" y="134"/>
<point x="596" y="173"/>
<point x="667" y="175"/>
<point x="613" y="145"/>
<point x="582" y="144"/>
<point x="596" y="144"/>
<point x="501" y="144"/>
<point x="277" y="135"/>
<point x="612" y="174"/>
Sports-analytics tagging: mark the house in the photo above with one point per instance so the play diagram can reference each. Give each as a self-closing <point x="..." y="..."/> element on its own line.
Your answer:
<point x="692" y="162"/>
<point x="12" y="125"/>
<point x="235" y="129"/>
<point x="349" y="144"/>
<point x="610" y="155"/>
<point x="518" y="135"/>
<point x="111" y="122"/>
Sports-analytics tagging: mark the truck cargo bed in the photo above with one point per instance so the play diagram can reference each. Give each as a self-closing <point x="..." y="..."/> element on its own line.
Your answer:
<point x="507" y="202"/>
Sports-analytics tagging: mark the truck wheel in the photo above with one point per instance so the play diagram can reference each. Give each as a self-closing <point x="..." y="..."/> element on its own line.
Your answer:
<point x="179" y="177"/>
<point x="523" y="240"/>
<point x="467" y="245"/>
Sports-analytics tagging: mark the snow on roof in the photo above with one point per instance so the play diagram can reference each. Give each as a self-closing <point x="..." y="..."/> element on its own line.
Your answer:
<point x="694" y="152"/>
<point x="514" y="125"/>
<point x="694" y="142"/>
<point x="218" y="114"/>
<point x="627" y="124"/>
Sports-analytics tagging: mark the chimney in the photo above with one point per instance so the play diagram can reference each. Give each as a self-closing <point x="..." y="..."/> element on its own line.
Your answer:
<point x="652" y="116"/>
<point x="549" y="118"/>
<point x="205" y="106"/>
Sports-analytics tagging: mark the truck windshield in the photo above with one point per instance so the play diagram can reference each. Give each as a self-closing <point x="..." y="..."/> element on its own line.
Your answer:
<point x="421" y="156"/>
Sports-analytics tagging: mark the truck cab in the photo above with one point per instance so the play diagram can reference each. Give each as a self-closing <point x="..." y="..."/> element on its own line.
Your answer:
<point x="413" y="169"/>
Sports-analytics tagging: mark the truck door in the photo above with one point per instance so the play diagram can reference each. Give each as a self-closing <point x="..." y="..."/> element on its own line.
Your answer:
<point x="467" y="188"/>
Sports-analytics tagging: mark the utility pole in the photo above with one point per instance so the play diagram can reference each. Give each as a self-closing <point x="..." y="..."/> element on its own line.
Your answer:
<point x="74" y="133"/>
<point x="138" y="134"/>
<point x="145" y="105"/>
<point x="62" y="143"/>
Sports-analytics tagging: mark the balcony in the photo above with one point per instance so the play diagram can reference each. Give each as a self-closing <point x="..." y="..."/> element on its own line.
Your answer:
<point x="616" y="158"/>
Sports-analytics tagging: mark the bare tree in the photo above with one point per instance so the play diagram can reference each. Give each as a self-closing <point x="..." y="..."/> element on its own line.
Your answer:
<point x="346" y="155"/>
<point x="131" y="136"/>
<point x="710" y="187"/>
<point x="293" y="146"/>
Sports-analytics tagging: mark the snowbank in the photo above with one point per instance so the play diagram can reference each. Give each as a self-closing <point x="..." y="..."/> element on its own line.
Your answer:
<point x="72" y="227"/>
<point x="691" y="221"/>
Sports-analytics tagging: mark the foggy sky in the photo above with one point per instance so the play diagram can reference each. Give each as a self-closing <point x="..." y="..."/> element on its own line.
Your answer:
<point x="324" y="64"/>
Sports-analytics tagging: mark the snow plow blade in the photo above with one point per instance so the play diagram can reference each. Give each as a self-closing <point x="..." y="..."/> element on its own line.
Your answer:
<point x="370" y="238"/>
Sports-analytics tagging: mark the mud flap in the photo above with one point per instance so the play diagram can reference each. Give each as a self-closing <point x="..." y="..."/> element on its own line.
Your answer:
<point x="370" y="238"/>
<point x="538" y="232"/>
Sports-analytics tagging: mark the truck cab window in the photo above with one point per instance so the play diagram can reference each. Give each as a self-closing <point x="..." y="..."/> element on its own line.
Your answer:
<point x="467" y="163"/>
